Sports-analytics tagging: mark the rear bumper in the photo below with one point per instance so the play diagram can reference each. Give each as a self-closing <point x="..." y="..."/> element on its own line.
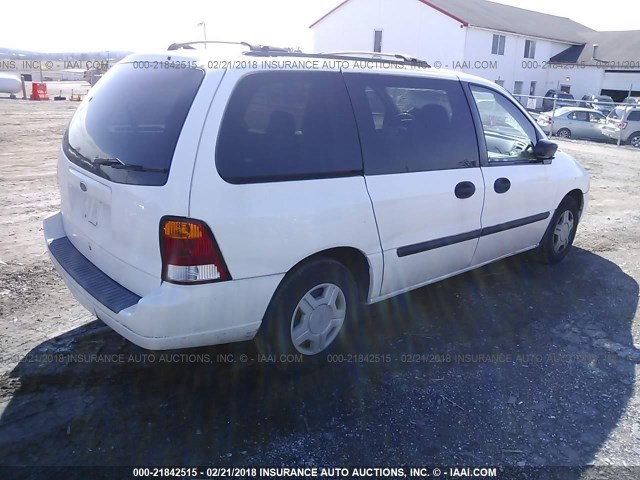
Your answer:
<point x="613" y="133"/>
<point x="171" y="316"/>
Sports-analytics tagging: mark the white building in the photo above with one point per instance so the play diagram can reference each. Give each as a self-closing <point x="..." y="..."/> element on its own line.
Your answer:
<point x="527" y="52"/>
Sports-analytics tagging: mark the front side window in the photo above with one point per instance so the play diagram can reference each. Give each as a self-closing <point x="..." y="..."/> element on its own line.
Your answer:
<point x="378" y="109"/>
<point x="580" y="116"/>
<point x="288" y="126"/>
<point x="412" y="124"/>
<point x="497" y="47"/>
<point x="508" y="134"/>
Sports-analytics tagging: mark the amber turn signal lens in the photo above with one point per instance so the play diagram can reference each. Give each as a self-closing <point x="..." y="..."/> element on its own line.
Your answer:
<point x="182" y="230"/>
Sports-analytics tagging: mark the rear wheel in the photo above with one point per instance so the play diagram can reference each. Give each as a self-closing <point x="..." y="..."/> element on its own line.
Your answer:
<point x="564" y="133"/>
<point x="310" y="313"/>
<point x="634" y="139"/>
<point x="559" y="236"/>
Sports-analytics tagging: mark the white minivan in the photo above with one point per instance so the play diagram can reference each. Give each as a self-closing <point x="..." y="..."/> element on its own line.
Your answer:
<point x="207" y="201"/>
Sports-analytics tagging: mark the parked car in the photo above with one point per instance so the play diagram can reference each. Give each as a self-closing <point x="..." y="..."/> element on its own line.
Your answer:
<point x="562" y="100"/>
<point x="207" y="205"/>
<point x="624" y="123"/>
<point x="603" y="103"/>
<point x="573" y="122"/>
<point x="631" y="101"/>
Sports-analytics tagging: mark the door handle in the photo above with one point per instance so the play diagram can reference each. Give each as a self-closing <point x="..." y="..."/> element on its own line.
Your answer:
<point x="465" y="190"/>
<point x="502" y="185"/>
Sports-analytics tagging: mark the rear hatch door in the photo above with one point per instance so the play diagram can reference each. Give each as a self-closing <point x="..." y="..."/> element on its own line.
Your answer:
<point x="127" y="160"/>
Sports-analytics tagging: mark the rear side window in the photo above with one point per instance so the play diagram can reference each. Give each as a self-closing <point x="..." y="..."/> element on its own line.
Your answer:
<point x="282" y="126"/>
<point x="634" y="116"/>
<point x="412" y="124"/>
<point x="127" y="128"/>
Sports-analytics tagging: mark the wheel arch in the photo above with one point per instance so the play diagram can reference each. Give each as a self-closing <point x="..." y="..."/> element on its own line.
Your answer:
<point x="352" y="258"/>
<point x="631" y="136"/>
<point x="578" y="196"/>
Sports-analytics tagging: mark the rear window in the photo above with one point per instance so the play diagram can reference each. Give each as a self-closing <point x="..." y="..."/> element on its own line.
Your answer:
<point x="127" y="128"/>
<point x="617" y="113"/>
<point x="281" y="126"/>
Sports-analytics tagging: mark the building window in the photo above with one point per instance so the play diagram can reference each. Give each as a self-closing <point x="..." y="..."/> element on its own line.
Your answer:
<point x="377" y="40"/>
<point x="532" y="89"/>
<point x="500" y="82"/>
<point x="517" y="88"/>
<point x="529" y="49"/>
<point x="497" y="48"/>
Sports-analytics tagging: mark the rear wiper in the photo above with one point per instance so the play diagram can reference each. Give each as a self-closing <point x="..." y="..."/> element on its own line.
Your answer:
<point x="120" y="165"/>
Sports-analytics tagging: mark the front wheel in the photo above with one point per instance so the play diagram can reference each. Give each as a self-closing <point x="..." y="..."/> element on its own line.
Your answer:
<point x="561" y="232"/>
<point x="310" y="312"/>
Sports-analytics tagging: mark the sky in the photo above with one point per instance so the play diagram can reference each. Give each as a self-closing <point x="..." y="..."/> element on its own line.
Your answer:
<point x="139" y="25"/>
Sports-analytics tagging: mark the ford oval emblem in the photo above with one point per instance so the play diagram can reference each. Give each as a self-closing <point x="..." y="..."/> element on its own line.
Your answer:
<point x="83" y="187"/>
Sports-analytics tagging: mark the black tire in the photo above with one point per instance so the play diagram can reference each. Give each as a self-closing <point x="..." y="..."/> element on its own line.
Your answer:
<point x="634" y="140"/>
<point x="564" y="133"/>
<point x="549" y="252"/>
<point x="275" y="335"/>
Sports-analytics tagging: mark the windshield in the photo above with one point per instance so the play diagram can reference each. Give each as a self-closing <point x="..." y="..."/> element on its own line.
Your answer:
<point x="132" y="117"/>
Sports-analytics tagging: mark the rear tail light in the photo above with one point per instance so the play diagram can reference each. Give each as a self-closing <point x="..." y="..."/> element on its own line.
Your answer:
<point x="622" y="125"/>
<point x="190" y="254"/>
<point x="544" y="120"/>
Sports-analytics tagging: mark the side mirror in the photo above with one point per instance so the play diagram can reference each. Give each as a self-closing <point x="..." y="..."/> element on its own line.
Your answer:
<point x="545" y="149"/>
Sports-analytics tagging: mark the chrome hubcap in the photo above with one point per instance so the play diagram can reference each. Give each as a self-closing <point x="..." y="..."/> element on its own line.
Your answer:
<point x="563" y="134"/>
<point x="318" y="318"/>
<point x="562" y="232"/>
<point x="635" y="141"/>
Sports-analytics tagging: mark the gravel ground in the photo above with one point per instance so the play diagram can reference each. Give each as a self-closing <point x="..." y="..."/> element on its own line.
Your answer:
<point x="514" y="364"/>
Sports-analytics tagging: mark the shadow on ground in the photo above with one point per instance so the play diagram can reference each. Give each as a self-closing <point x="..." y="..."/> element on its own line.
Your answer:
<point x="515" y="363"/>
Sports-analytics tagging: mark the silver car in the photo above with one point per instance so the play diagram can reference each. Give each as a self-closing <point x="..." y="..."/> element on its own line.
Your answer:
<point x="575" y="122"/>
<point x="624" y="124"/>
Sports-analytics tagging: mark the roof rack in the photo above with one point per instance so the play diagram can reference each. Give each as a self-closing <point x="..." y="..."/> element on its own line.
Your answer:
<point x="393" y="58"/>
<point x="271" y="51"/>
<point x="251" y="47"/>
<point x="399" y="56"/>
<point x="188" y="45"/>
